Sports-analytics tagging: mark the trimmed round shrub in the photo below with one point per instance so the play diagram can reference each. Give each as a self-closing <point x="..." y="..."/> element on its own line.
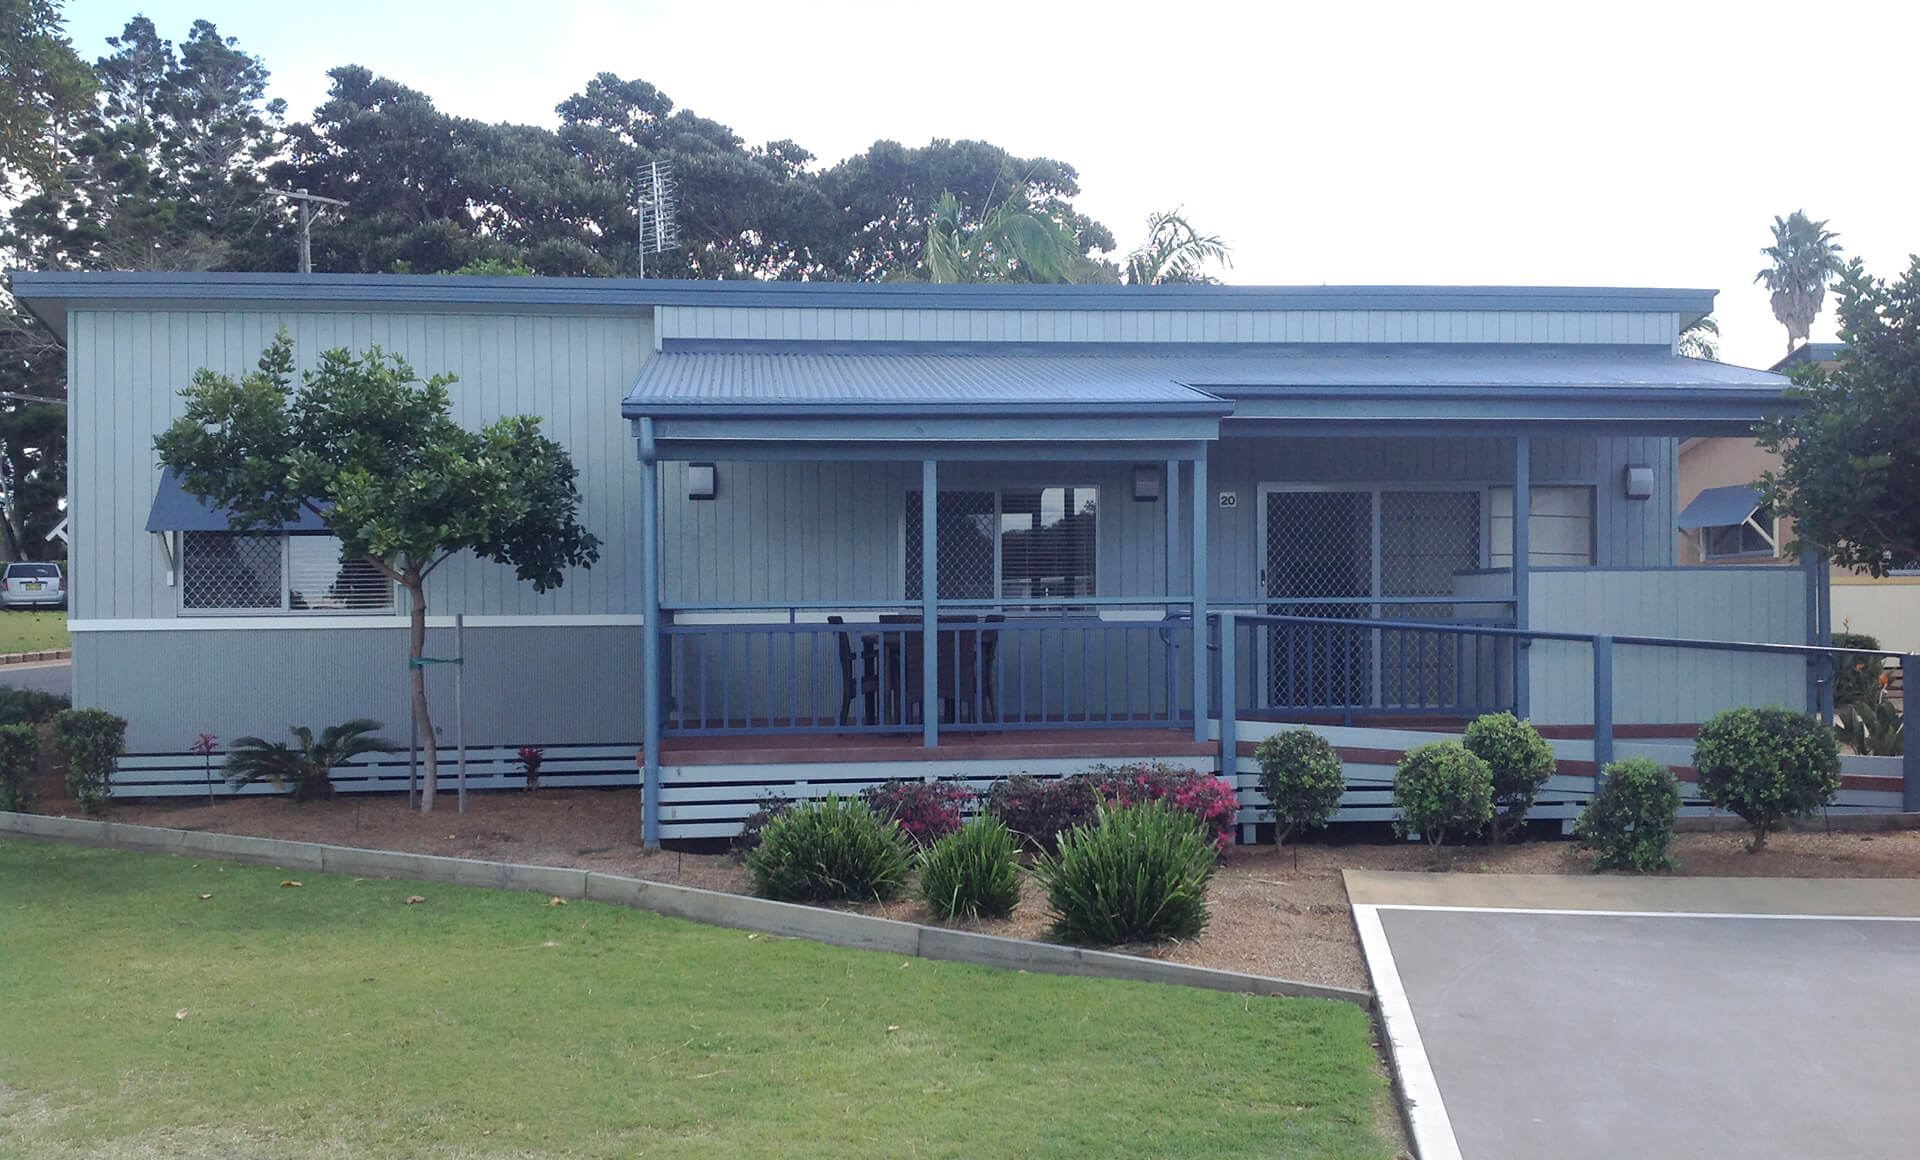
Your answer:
<point x="1211" y="800"/>
<point x="1038" y="812"/>
<point x="1300" y="774"/>
<point x="926" y="810"/>
<point x="1138" y="874"/>
<point x="1629" y="825"/>
<point x="831" y="850"/>
<point x="1521" y="761"/>
<point x="92" y="741"/>
<point x="1767" y="765"/>
<point x="1440" y="788"/>
<point x="973" y="872"/>
<point x="19" y="757"/>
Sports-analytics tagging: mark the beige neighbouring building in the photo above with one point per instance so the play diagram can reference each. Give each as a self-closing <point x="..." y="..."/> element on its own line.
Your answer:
<point x="1723" y="522"/>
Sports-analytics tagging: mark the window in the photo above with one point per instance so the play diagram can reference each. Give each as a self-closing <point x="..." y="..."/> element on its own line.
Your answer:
<point x="245" y="571"/>
<point x="1559" y="527"/>
<point x="1753" y="536"/>
<point x="1017" y="544"/>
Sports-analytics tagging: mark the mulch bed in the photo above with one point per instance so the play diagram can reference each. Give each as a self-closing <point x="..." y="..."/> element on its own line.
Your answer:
<point x="1270" y="916"/>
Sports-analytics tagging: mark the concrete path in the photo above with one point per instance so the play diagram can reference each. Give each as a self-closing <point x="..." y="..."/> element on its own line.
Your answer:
<point x="1651" y="1018"/>
<point x="51" y="677"/>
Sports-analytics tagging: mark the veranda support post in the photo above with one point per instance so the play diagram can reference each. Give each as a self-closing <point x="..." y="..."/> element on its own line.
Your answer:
<point x="1602" y="708"/>
<point x="1909" y="754"/>
<point x="1199" y="573"/>
<point x="650" y="685"/>
<point x="929" y="605"/>
<point x="1522" y="573"/>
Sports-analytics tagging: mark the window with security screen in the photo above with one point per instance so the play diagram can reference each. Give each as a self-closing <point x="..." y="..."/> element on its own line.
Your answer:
<point x="1018" y="544"/>
<point x="276" y="572"/>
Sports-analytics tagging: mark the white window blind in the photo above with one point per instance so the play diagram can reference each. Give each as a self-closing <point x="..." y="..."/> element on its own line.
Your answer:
<point x="1018" y="544"/>
<point x="1560" y="530"/>
<point x="321" y="577"/>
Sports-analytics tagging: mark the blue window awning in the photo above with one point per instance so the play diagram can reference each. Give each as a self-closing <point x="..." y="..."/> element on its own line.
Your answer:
<point x="1721" y="507"/>
<point x="174" y="510"/>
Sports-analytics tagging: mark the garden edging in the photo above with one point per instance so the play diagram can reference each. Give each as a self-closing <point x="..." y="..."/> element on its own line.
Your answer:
<point x="839" y="928"/>
<point x="38" y="656"/>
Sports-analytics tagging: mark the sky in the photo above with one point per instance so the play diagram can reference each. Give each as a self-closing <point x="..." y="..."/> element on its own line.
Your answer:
<point x="1616" y="144"/>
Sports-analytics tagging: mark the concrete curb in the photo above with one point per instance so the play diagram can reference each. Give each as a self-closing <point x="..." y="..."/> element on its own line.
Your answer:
<point x="715" y="908"/>
<point x="39" y="657"/>
<point x="1848" y="823"/>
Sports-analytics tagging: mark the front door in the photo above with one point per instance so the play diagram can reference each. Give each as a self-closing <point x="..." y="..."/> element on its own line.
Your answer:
<point x="1357" y="554"/>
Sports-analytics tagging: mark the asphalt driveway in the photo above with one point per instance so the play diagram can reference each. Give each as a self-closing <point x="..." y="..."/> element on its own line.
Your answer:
<point x="1708" y="1018"/>
<point x="51" y="677"/>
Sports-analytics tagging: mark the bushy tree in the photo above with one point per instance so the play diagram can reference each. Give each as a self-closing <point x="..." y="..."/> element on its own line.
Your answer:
<point x="44" y="87"/>
<point x="1521" y="761"/>
<point x="1302" y="777"/>
<point x="374" y="451"/>
<point x="1767" y="765"/>
<point x="1629" y="824"/>
<point x="1440" y="788"/>
<point x="1850" y="453"/>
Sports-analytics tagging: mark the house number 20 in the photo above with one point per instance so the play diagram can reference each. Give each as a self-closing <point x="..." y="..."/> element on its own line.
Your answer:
<point x="1229" y="499"/>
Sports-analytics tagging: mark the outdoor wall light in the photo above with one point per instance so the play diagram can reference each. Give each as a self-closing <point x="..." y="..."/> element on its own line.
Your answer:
<point x="1146" y="483"/>
<point x="1639" y="481"/>
<point x="702" y="480"/>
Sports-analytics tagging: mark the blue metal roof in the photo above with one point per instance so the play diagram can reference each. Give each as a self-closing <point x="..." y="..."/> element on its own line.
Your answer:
<point x="816" y="384"/>
<point x="1720" y="507"/>
<point x="174" y="510"/>
<point x="50" y="293"/>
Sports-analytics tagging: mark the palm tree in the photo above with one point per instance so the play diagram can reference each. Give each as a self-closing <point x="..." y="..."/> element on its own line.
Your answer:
<point x="1175" y="252"/>
<point x="1805" y="258"/>
<point x="308" y="768"/>
<point x="1702" y="339"/>
<point x="1011" y="243"/>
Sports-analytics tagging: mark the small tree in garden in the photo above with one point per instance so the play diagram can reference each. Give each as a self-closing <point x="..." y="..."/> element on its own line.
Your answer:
<point x="1440" y="788"/>
<point x="375" y="453"/>
<point x="308" y="768"/>
<point x="1767" y="765"/>
<point x="92" y="741"/>
<point x="203" y="747"/>
<point x="1521" y="761"/>
<point x="1629" y="825"/>
<point x="1300" y="774"/>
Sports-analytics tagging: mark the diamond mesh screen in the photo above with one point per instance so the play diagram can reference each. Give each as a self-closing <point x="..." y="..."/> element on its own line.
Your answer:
<point x="1425" y="537"/>
<point x="1319" y="545"/>
<point x="230" y="570"/>
<point x="964" y="532"/>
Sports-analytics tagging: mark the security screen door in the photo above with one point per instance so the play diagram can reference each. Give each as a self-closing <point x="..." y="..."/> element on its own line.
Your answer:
<point x="1337" y="555"/>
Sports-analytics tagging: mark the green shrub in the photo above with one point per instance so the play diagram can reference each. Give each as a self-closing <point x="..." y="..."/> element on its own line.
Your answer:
<point x="973" y="872"/>
<point x="1521" y="761"/>
<point x="1300" y="774"/>
<point x="1038" y="812"/>
<point x="1629" y="824"/>
<point x="308" y="768"/>
<point x="829" y="850"/>
<point x="1855" y="679"/>
<point x="28" y="705"/>
<point x="92" y="741"/>
<point x="1441" y="788"/>
<point x="1767" y="765"/>
<point x="752" y="831"/>
<point x="19" y="759"/>
<point x="1873" y="728"/>
<point x="1137" y="874"/>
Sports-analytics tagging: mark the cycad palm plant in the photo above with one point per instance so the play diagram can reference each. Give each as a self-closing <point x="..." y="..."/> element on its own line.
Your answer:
<point x="308" y="767"/>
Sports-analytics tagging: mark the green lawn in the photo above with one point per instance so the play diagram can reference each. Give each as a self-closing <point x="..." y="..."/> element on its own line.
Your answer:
<point x="33" y="631"/>
<point x="269" y="1020"/>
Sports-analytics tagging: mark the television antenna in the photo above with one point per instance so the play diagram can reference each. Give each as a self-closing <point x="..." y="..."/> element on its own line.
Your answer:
<point x="307" y="201"/>
<point x="659" y="223"/>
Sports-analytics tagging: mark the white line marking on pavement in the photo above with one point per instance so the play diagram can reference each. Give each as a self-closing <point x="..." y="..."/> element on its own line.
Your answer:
<point x="1644" y="913"/>
<point x="1426" y="1114"/>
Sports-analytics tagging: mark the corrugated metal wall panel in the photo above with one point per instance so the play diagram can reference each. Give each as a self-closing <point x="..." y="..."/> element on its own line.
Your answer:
<point x="127" y="367"/>
<point x="1145" y="326"/>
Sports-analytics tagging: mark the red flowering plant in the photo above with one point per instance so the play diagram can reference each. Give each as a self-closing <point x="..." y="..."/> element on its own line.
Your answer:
<point x="925" y="810"/>
<point x="530" y="758"/>
<point x="1211" y="800"/>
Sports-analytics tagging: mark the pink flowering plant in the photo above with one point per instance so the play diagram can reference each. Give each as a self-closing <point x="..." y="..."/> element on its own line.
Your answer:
<point x="530" y="758"/>
<point x="926" y="811"/>
<point x="1211" y="800"/>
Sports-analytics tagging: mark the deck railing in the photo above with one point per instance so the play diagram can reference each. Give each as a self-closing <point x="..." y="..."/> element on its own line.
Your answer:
<point x="835" y="669"/>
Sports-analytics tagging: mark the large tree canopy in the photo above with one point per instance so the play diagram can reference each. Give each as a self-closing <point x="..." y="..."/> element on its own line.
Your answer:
<point x="1850" y="458"/>
<point x="44" y="85"/>
<point x="375" y="452"/>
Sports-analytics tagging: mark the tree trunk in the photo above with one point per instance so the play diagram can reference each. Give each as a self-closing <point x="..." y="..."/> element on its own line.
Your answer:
<point x="417" y="678"/>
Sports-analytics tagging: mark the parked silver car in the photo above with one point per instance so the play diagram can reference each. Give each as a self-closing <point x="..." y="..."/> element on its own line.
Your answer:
<point x="33" y="585"/>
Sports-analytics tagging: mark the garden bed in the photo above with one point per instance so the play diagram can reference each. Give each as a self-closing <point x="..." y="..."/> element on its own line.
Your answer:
<point x="1269" y="916"/>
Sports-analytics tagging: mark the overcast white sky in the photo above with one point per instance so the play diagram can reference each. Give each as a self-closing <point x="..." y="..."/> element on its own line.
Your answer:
<point x="1627" y="144"/>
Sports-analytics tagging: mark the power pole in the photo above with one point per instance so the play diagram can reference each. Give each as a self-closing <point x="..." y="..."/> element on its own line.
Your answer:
<point x="307" y="201"/>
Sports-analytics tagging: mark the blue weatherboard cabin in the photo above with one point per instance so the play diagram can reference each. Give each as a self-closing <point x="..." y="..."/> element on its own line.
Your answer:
<point x="856" y="532"/>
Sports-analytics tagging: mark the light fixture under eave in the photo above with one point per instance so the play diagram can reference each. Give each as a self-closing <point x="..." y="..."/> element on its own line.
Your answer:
<point x="1638" y="480"/>
<point x="1146" y="483"/>
<point x="703" y="480"/>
